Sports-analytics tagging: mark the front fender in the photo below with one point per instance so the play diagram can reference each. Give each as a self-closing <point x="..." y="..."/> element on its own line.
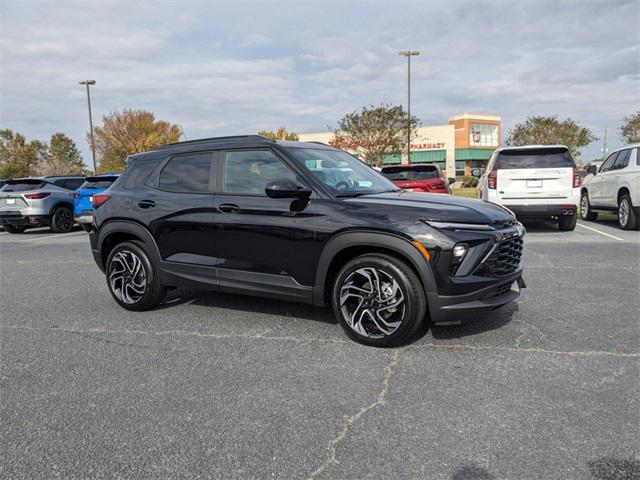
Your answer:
<point x="396" y="243"/>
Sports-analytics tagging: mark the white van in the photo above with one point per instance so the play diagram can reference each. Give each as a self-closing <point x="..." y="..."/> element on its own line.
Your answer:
<point x="534" y="181"/>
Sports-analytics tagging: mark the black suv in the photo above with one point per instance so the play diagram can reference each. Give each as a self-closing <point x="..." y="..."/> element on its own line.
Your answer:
<point x="303" y="222"/>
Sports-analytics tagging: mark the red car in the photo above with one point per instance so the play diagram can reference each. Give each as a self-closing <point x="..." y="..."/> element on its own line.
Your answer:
<point x="425" y="178"/>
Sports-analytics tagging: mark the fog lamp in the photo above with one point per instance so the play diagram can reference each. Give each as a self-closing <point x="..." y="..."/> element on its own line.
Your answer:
<point x="459" y="251"/>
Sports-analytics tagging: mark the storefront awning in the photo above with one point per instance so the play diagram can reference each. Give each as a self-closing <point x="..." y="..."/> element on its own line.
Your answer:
<point x="474" y="153"/>
<point x="425" y="156"/>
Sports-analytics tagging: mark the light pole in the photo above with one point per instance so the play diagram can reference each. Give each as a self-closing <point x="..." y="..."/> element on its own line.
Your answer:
<point x="93" y="144"/>
<point x="409" y="54"/>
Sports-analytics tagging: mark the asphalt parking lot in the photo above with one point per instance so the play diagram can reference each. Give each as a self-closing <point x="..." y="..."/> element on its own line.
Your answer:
<point x="240" y="387"/>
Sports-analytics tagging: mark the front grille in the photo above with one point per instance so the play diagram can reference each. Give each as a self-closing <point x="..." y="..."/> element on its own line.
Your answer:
<point x="504" y="259"/>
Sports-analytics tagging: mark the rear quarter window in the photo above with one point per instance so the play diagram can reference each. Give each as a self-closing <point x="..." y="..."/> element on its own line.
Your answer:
<point x="531" y="158"/>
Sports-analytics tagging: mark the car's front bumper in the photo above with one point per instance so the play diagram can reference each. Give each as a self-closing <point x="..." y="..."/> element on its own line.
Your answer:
<point x="452" y="309"/>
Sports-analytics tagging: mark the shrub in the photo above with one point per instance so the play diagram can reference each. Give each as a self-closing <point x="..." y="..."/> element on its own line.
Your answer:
<point x="468" y="181"/>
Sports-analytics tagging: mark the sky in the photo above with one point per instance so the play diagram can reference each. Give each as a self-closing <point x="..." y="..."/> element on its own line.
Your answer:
<point x="228" y="68"/>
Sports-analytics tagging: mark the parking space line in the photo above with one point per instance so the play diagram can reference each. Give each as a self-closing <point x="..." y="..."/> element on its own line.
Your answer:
<point x="600" y="232"/>
<point x="55" y="235"/>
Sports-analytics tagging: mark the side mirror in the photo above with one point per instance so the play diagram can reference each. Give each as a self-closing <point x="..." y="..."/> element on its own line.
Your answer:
<point x="592" y="169"/>
<point x="286" y="188"/>
<point x="451" y="180"/>
<point x="476" y="172"/>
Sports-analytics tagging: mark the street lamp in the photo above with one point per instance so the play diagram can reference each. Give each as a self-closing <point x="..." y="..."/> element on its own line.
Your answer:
<point x="93" y="144"/>
<point x="409" y="54"/>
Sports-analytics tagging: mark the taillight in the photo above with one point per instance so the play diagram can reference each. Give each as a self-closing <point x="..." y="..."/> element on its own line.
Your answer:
<point x="493" y="180"/>
<point x="99" y="199"/>
<point x="576" y="177"/>
<point x="36" y="196"/>
<point x="437" y="186"/>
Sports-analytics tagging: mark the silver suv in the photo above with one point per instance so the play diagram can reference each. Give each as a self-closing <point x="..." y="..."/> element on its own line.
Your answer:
<point x="37" y="202"/>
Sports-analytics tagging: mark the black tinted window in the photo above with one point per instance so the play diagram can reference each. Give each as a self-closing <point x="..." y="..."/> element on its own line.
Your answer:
<point x="532" y="158"/>
<point x="97" y="184"/>
<point x="72" y="183"/>
<point x="608" y="163"/>
<point x="23" y="186"/>
<point x="622" y="160"/>
<point x="187" y="173"/>
<point x="408" y="174"/>
<point x="248" y="172"/>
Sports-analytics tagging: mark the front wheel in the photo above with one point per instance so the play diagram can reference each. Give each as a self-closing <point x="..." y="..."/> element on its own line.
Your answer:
<point x="132" y="278"/>
<point x="585" y="208"/>
<point x="627" y="217"/>
<point x="62" y="220"/>
<point x="567" y="223"/>
<point x="378" y="300"/>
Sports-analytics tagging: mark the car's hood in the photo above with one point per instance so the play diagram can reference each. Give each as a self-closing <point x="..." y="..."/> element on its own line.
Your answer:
<point x="441" y="208"/>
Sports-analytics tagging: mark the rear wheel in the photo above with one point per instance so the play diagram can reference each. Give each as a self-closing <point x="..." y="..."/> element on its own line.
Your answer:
<point x="86" y="227"/>
<point x="567" y="223"/>
<point x="585" y="208"/>
<point x="62" y="220"/>
<point x="378" y="300"/>
<point x="132" y="278"/>
<point x="13" y="228"/>
<point x="627" y="217"/>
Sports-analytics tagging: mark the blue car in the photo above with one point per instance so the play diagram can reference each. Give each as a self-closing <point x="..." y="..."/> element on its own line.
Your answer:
<point x="82" y="206"/>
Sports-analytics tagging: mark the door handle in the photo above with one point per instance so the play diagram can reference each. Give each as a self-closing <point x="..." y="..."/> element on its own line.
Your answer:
<point x="146" y="203"/>
<point x="229" y="208"/>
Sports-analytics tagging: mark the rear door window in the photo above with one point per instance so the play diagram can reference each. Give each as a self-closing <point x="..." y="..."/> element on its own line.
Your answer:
<point x="187" y="174"/>
<point x="411" y="174"/>
<point x="534" y="158"/>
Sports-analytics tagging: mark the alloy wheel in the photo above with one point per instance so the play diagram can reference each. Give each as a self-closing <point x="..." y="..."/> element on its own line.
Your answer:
<point x="127" y="277"/>
<point x="372" y="302"/>
<point x="584" y="207"/>
<point x="64" y="219"/>
<point x="623" y="212"/>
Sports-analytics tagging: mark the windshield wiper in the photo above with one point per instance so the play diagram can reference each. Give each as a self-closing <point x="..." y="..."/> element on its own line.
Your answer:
<point x="350" y="194"/>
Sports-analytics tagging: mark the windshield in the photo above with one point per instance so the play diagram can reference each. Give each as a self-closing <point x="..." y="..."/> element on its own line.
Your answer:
<point x="424" y="172"/>
<point x="344" y="174"/>
<point x="532" y="158"/>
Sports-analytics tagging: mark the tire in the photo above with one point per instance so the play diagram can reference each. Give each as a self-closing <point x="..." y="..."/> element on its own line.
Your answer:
<point x="585" y="208"/>
<point x="627" y="217"/>
<point x="397" y="319"/>
<point x="62" y="220"/>
<point x="86" y="227"/>
<point x="132" y="278"/>
<point x="567" y="223"/>
<point x="13" y="228"/>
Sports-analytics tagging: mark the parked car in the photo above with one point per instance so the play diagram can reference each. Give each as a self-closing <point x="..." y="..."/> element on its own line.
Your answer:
<point x="533" y="181"/>
<point x="614" y="187"/>
<point x="251" y="215"/>
<point x="82" y="206"/>
<point x="417" y="178"/>
<point x="38" y="201"/>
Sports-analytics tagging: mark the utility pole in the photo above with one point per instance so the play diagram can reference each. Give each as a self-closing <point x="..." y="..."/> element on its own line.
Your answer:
<point x="604" y="145"/>
<point x="409" y="54"/>
<point x="93" y="143"/>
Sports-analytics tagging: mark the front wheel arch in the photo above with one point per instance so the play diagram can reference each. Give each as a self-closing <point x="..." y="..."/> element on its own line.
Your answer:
<point x="345" y="246"/>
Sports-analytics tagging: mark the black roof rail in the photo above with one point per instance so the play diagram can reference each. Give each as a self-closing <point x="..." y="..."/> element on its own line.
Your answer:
<point x="215" y="139"/>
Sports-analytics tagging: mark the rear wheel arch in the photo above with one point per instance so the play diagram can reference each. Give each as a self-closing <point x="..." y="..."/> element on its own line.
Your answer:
<point x="115" y="232"/>
<point x="346" y="246"/>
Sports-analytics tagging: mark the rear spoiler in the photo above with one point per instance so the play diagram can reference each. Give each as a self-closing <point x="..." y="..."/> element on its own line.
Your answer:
<point x="34" y="181"/>
<point x="97" y="178"/>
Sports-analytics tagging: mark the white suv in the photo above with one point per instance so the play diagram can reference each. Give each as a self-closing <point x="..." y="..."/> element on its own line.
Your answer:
<point x="615" y="186"/>
<point x="533" y="181"/>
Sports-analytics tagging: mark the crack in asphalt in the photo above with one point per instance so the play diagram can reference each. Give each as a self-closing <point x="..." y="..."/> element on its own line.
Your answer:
<point x="262" y="336"/>
<point x="349" y="421"/>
